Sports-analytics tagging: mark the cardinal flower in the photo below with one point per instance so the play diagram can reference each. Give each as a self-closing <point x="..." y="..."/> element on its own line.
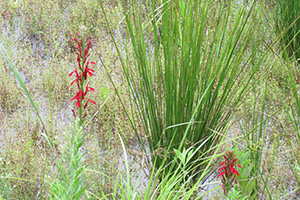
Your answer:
<point x="228" y="171"/>
<point x="81" y="73"/>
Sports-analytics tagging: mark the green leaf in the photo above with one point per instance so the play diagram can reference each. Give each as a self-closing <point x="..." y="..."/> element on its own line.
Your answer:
<point x="104" y="93"/>
<point x="19" y="78"/>
<point x="80" y="193"/>
<point x="27" y="147"/>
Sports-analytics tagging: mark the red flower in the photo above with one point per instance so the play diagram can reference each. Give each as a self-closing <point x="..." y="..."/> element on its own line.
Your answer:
<point x="79" y="97"/>
<point x="88" y="70"/>
<point x="93" y="102"/>
<point x="228" y="171"/>
<point x="81" y="73"/>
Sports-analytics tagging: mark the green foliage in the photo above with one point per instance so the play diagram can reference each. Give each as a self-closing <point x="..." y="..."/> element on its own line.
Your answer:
<point x="5" y="187"/>
<point x="235" y="195"/>
<point x="187" y="77"/>
<point x="24" y="171"/>
<point x="246" y="179"/>
<point x="287" y="16"/>
<point x="294" y="115"/>
<point x="70" y="182"/>
<point x="255" y="137"/>
<point x="175" y="185"/>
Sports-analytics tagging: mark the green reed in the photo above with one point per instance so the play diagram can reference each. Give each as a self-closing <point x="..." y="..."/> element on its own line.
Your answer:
<point x="287" y="22"/>
<point x="189" y="73"/>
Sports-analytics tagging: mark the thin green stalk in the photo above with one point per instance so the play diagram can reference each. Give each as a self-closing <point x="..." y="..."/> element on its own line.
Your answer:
<point x="19" y="78"/>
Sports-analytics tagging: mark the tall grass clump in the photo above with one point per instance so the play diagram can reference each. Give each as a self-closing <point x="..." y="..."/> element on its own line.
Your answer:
<point x="189" y="73"/>
<point x="293" y="111"/>
<point x="288" y="24"/>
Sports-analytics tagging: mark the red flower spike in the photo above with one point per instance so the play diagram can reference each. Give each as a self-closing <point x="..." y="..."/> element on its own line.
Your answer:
<point x="81" y="73"/>
<point x="228" y="171"/>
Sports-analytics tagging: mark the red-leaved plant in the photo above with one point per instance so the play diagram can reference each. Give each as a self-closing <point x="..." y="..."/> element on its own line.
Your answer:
<point x="81" y="73"/>
<point x="228" y="171"/>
